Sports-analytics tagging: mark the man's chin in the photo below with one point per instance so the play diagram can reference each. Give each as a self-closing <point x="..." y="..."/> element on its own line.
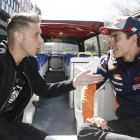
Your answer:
<point x="31" y="54"/>
<point x="116" y="56"/>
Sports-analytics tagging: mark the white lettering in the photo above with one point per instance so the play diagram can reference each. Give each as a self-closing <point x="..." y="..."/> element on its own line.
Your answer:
<point x="116" y="83"/>
<point x="118" y="89"/>
<point x="15" y="93"/>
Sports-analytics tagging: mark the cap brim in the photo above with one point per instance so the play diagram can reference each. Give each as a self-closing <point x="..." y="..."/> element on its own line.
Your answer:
<point x="106" y="30"/>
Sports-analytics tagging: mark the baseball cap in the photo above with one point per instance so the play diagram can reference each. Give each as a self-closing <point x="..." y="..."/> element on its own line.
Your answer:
<point x="123" y="24"/>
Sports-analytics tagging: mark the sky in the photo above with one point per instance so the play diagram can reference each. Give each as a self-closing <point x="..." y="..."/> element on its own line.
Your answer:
<point x="89" y="10"/>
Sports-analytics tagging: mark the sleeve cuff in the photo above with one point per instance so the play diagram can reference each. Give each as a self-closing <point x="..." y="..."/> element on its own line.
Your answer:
<point x="69" y="85"/>
<point x="87" y="114"/>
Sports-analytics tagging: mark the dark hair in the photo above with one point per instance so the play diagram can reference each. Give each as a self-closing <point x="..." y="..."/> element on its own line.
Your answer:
<point x="19" y="22"/>
<point x="129" y="34"/>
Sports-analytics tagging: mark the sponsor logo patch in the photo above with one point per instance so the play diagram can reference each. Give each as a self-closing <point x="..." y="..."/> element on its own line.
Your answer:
<point x="104" y="64"/>
<point x="117" y="77"/>
<point x="136" y="86"/>
<point x="104" y="31"/>
<point x="132" y="28"/>
<point x="137" y="79"/>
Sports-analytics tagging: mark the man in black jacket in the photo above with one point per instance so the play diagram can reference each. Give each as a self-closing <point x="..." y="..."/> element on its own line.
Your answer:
<point x="19" y="78"/>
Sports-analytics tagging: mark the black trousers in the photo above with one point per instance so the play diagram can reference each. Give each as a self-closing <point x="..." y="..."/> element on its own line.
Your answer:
<point x="29" y="131"/>
<point x="121" y="129"/>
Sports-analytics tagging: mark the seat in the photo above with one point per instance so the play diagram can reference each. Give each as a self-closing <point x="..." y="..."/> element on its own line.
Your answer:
<point x="77" y="93"/>
<point x="107" y="103"/>
<point x="55" y="62"/>
<point x="29" y="111"/>
<point x="30" y="108"/>
<point x="40" y="63"/>
<point x="106" y="99"/>
<point x="77" y="65"/>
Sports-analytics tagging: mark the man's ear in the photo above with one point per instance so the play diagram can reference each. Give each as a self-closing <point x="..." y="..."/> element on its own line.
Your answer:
<point x="18" y="36"/>
<point x="134" y="39"/>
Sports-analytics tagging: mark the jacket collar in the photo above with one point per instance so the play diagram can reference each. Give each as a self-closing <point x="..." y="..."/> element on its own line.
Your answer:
<point x="4" y="45"/>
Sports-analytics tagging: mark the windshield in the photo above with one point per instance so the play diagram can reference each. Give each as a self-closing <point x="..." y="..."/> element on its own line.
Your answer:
<point x="59" y="48"/>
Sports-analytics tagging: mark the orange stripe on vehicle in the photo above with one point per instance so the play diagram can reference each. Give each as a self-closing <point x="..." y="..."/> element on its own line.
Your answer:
<point x="113" y="68"/>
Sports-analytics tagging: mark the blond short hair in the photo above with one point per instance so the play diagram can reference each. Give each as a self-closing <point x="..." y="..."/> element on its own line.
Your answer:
<point x="20" y="22"/>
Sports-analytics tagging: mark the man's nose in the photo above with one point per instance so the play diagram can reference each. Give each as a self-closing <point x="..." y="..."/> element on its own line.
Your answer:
<point x="111" y="42"/>
<point x="41" y="41"/>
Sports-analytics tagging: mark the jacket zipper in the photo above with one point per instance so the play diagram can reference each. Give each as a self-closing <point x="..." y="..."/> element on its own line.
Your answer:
<point x="10" y="92"/>
<point x="128" y="75"/>
<point x="127" y="70"/>
<point x="31" y="94"/>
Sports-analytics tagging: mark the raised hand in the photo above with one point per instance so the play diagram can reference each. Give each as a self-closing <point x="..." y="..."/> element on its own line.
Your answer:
<point x="83" y="79"/>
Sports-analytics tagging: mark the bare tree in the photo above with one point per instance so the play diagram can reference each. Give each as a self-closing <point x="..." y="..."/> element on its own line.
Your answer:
<point x="127" y="7"/>
<point x="90" y="45"/>
<point x="124" y="8"/>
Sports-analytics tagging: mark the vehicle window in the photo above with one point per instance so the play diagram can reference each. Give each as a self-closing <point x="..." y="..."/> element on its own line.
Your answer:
<point x="59" y="47"/>
<point x="91" y="44"/>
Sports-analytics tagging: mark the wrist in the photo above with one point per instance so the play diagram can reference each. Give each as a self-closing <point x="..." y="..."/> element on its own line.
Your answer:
<point x="74" y="83"/>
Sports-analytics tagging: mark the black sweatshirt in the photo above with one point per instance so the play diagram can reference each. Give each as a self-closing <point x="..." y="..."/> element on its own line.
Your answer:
<point x="36" y="84"/>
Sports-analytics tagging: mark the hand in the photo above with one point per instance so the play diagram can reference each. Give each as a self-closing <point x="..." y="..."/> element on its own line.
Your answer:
<point x="99" y="122"/>
<point x="83" y="80"/>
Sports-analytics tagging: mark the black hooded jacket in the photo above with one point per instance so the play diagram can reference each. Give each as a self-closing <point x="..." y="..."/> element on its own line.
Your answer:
<point x="36" y="84"/>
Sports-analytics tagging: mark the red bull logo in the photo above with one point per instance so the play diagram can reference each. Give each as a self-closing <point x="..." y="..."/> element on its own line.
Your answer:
<point x="137" y="79"/>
